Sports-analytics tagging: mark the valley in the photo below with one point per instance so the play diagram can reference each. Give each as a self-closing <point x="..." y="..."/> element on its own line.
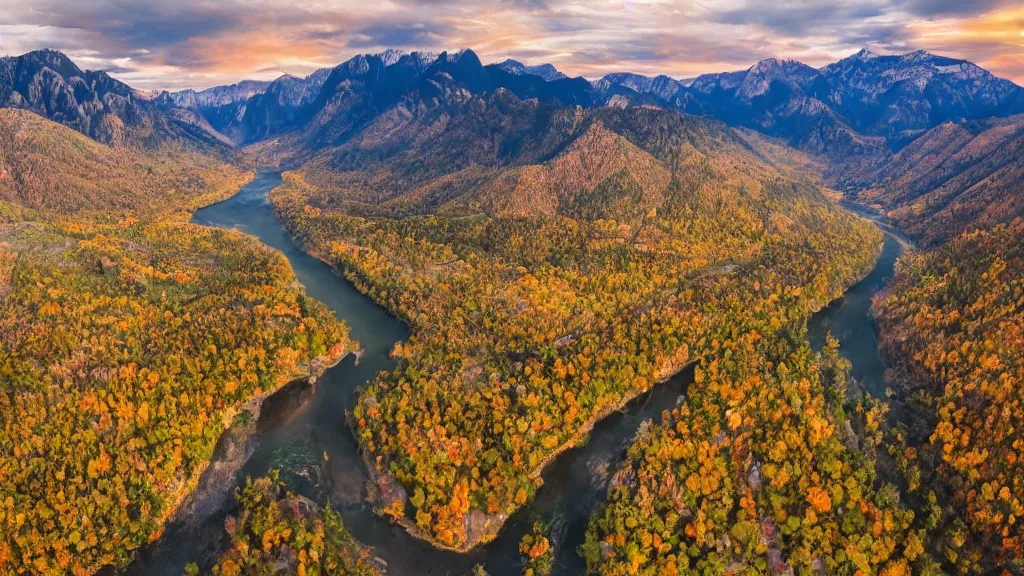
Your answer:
<point x="573" y="484"/>
<point x="415" y="314"/>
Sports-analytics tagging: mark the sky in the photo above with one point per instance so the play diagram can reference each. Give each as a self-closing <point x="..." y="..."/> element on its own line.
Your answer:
<point x="161" y="44"/>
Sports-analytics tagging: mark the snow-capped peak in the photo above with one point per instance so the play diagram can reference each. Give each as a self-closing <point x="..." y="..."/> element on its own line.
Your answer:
<point x="769" y="63"/>
<point x="865" y="54"/>
<point x="545" y="71"/>
<point x="918" y="56"/>
<point x="456" y="56"/>
<point x="150" y="95"/>
<point x="391" y="56"/>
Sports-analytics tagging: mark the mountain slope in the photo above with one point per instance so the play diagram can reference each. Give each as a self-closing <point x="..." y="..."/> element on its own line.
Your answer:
<point x="48" y="83"/>
<point x="50" y="168"/>
<point x="278" y="107"/>
<point x="329" y="105"/>
<point x="461" y="153"/>
<point x="223" y="107"/>
<point x="955" y="177"/>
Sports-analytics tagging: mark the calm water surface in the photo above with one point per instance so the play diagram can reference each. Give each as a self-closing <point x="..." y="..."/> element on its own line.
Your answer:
<point x="850" y="321"/>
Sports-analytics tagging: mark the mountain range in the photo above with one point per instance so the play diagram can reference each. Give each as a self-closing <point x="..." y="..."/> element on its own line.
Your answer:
<point x="869" y="120"/>
<point x="48" y="83"/>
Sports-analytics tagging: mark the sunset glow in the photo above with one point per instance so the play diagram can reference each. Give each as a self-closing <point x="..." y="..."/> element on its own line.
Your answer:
<point x="153" y="44"/>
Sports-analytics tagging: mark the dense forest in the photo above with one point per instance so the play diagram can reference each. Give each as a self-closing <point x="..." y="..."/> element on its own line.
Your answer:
<point x="129" y="339"/>
<point x="528" y="328"/>
<point x="762" y="469"/>
<point x="952" y="330"/>
<point x="277" y="532"/>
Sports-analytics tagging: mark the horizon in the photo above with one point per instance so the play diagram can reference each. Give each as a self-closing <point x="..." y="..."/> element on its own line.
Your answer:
<point x="436" y="53"/>
<point x="191" y="44"/>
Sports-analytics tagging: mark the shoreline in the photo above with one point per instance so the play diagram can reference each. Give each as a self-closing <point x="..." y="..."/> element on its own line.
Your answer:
<point x="212" y="487"/>
<point x="491" y="534"/>
<point x="493" y="523"/>
<point x="208" y="490"/>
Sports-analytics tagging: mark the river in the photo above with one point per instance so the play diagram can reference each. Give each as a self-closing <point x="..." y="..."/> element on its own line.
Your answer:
<point x="577" y="481"/>
<point x="850" y="321"/>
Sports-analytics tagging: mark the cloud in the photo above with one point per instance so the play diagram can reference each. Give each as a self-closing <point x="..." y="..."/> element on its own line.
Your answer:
<point x="197" y="43"/>
<point x="933" y="8"/>
<point x="799" y="18"/>
<point x="399" y="35"/>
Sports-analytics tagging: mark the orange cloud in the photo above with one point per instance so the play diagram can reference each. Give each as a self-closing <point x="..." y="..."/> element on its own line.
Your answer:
<point x="994" y="41"/>
<point x="251" y="52"/>
<point x="163" y="44"/>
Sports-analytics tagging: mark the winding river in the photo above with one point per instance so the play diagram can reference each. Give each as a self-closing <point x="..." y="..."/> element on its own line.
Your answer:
<point x="849" y="320"/>
<point x="313" y="424"/>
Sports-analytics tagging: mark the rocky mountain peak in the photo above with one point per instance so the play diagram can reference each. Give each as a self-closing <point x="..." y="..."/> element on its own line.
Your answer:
<point x="52" y="59"/>
<point x="773" y="64"/>
<point x="917" y="56"/>
<point x="760" y="76"/>
<point x="390" y="57"/>
<point x="465" y="56"/>
<point x="546" y="71"/>
<point x="865" y="54"/>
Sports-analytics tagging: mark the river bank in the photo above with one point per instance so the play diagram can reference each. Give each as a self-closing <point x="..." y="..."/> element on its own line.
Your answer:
<point x="310" y="442"/>
<point x="313" y="447"/>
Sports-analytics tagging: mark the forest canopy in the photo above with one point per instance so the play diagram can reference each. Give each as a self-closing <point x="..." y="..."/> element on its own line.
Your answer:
<point x="530" y="324"/>
<point x="952" y="323"/>
<point x="128" y="340"/>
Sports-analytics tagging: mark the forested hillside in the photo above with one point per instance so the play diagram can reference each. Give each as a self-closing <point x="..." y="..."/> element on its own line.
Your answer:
<point x="952" y="330"/>
<point x="611" y="273"/>
<point x="489" y="157"/>
<point x="954" y="178"/>
<point x="53" y="170"/>
<point x="128" y="341"/>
